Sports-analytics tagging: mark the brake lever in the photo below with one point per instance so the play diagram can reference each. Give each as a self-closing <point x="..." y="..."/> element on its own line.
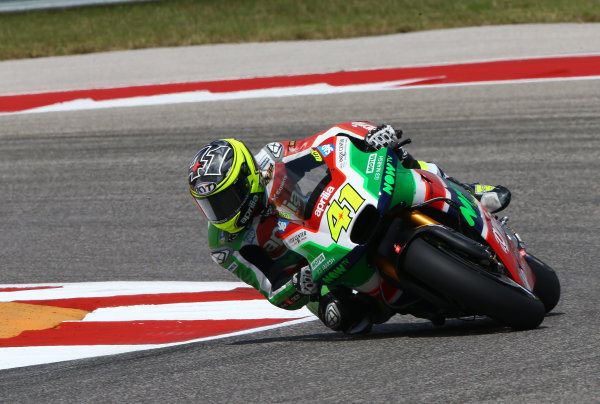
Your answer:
<point x="405" y="142"/>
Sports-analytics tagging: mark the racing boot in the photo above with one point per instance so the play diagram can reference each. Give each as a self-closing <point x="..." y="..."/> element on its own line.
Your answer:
<point x="492" y="198"/>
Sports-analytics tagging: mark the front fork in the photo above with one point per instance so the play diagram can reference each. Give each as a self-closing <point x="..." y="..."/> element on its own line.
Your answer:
<point x="384" y="263"/>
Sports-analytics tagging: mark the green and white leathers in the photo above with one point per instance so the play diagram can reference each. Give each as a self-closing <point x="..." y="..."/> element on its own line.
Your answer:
<point x="309" y="214"/>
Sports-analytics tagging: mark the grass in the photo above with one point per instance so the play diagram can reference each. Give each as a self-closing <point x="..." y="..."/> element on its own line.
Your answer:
<point x="194" y="22"/>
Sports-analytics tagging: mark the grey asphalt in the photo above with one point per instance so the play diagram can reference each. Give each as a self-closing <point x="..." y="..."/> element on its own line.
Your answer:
<point x="101" y="195"/>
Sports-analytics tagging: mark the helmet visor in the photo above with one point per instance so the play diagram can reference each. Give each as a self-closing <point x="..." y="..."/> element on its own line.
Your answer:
<point x="224" y="205"/>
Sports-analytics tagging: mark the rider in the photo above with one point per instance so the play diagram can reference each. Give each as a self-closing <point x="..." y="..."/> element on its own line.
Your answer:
<point x="243" y="197"/>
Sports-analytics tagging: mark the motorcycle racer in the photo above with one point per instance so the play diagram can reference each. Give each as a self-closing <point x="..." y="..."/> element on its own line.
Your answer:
<point x="248" y="200"/>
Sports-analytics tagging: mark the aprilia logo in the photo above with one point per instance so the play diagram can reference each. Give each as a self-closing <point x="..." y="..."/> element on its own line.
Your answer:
<point x="251" y="206"/>
<point x="325" y="195"/>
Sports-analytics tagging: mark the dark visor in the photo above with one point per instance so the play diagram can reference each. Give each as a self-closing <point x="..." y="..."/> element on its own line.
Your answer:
<point x="224" y="205"/>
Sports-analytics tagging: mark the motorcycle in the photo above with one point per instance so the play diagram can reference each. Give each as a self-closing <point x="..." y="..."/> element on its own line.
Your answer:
<point x="420" y="242"/>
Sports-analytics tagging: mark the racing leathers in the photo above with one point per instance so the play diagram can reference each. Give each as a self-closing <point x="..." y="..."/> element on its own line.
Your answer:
<point x="258" y="256"/>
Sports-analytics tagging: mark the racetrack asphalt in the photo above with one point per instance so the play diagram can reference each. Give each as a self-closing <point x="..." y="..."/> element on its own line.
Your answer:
<point x="101" y="195"/>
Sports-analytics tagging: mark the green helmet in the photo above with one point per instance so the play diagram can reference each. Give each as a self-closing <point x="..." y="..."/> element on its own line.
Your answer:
<point x="226" y="185"/>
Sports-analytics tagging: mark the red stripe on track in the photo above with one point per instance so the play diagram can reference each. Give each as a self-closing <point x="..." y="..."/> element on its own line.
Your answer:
<point x="133" y="332"/>
<point x="93" y="303"/>
<point x="17" y="289"/>
<point x="542" y="68"/>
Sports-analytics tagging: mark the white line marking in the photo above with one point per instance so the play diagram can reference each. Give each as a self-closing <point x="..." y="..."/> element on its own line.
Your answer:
<point x="13" y="357"/>
<point x="27" y="356"/>
<point x="314" y="89"/>
<point x="102" y="289"/>
<point x="223" y="310"/>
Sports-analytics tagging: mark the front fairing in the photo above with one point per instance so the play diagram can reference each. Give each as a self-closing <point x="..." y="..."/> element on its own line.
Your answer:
<point x="321" y="230"/>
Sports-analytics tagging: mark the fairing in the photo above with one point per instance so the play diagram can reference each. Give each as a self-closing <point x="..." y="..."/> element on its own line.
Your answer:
<point x="353" y="180"/>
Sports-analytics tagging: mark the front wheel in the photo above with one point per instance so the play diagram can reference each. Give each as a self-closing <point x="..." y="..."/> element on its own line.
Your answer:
<point x="547" y="286"/>
<point x="476" y="291"/>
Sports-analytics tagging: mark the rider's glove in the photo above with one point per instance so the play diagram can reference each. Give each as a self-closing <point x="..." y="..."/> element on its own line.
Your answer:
<point x="383" y="136"/>
<point x="304" y="282"/>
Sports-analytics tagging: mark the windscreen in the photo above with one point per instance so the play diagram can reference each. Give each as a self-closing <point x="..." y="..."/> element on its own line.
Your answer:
<point x="301" y="182"/>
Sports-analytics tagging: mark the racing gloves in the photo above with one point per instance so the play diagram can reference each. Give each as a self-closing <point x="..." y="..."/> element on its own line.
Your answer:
<point x="304" y="283"/>
<point x="386" y="136"/>
<point x="383" y="136"/>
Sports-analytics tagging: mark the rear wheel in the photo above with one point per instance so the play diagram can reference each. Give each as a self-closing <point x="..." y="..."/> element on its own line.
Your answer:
<point x="473" y="289"/>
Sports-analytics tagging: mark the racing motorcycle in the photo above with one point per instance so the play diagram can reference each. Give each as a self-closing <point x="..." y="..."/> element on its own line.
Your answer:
<point x="370" y="225"/>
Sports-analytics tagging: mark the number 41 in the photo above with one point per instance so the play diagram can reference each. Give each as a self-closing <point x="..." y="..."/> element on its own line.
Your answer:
<point x="338" y="217"/>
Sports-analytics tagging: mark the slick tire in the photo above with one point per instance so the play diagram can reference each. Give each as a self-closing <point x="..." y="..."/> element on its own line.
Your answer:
<point x="547" y="285"/>
<point x="476" y="291"/>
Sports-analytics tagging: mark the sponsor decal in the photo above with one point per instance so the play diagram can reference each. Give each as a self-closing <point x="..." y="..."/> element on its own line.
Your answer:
<point x="333" y="316"/>
<point x="339" y="270"/>
<point x="274" y="245"/>
<point x="250" y="236"/>
<point x="282" y="225"/>
<point x="232" y="267"/>
<point x="326" y="149"/>
<point x="268" y="211"/>
<point x="284" y="215"/>
<point x="371" y="163"/>
<point x="342" y="152"/>
<point x="264" y="163"/>
<point x="321" y="266"/>
<point x="294" y="203"/>
<point x="467" y="209"/>
<point x="226" y="237"/>
<point x="389" y="178"/>
<point x="221" y="255"/>
<point x="322" y="204"/>
<point x="281" y="186"/>
<point x="232" y="236"/>
<point x="297" y="239"/>
<point x="291" y="300"/>
<point x="292" y="145"/>
<point x="276" y="149"/>
<point x="222" y="237"/>
<point x="378" y="168"/>
<point x="317" y="261"/>
<point x="364" y="125"/>
<point x="205" y="188"/>
<point x="251" y="206"/>
<point x="499" y="238"/>
<point x="327" y="264"/>
<point x="500" y="234"/>
<point x="316" y="155"/>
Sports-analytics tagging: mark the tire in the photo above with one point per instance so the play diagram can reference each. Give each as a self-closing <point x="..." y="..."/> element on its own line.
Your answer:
<point x="476" y="291"/>
<point x="547" y="285"/>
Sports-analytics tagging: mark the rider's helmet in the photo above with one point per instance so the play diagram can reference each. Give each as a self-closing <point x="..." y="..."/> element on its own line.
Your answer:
<point x="226" y="184"/>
